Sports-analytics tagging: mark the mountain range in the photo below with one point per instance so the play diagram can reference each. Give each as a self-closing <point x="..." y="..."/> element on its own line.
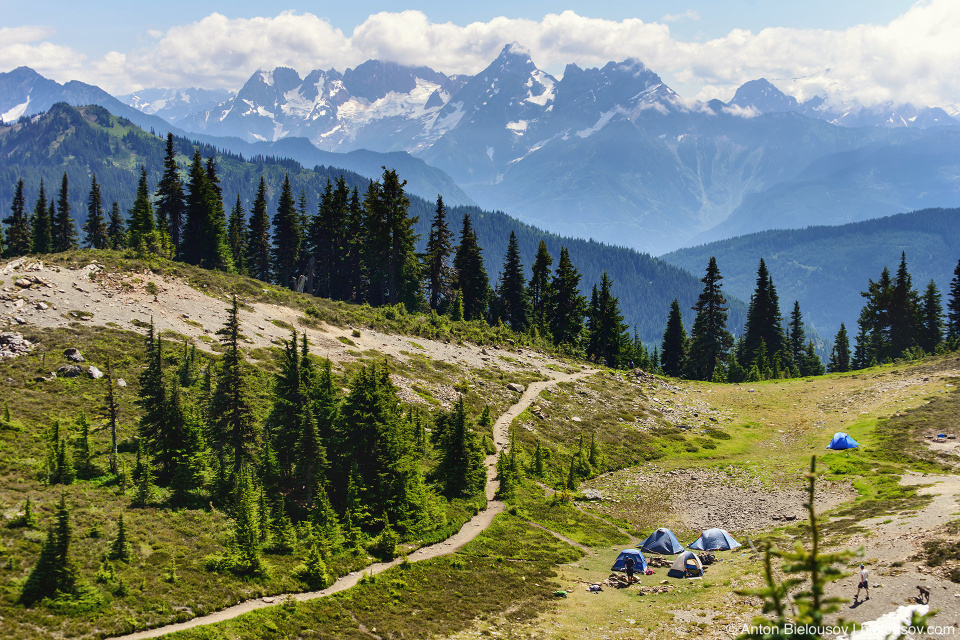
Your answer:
<point x="609" y="153"/>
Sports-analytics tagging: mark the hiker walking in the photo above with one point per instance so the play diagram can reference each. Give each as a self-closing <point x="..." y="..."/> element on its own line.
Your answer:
<point x="863" y="584"/>
<point x="628" y="565"/>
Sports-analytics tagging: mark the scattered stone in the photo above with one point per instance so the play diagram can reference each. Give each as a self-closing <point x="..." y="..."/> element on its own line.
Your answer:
<point x="13" y="345"/>
<point x="121" y="382"/>
<point x="70" y="371"/>
<point x="19" y="320"/>
<point x="73" y="355"/>
<point x="94" y="373"/>
<point x="592" y="494"/>
<point x="576" y="419"/>
<point x="513" y="386"/>
<point x="42" y="306"/>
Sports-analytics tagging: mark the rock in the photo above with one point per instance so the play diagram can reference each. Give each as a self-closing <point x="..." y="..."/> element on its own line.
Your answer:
<point x="513" y="386"/>
<point x="121" y="382"/>
<point x="73" y="355"/>
<point x="70" y="371"/>
<point x="94" y="373"/>
<point x="576" y="419"/>
<point x="42" y="306"/>
<point x="19" y="320"/>
<point x="592" y="494"/>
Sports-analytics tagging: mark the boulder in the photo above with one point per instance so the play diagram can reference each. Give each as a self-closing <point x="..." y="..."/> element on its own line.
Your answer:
<point x="592" y="494"/>
<point x="94" y="373"/>
<point x="513" y="386"/>
<point x="70" y="371"/>
<point x="73" y="355"/>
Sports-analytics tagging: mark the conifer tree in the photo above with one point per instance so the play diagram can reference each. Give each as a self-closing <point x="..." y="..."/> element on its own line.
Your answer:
<point x="608" y="340"/>
<point x="904" y="311"/>
<point x="247" y="558"/>
<point x="376" y="236"/>
<point x="539" y="466"/>
<point x="953" y="305"/>
<point x="567" y="305"/>
<point x="763" y="333"/>
<point x="460" y="471"/>
<point x="146" y="490"/>
<point x="95" y="227"/>
<point x="112" y="415"/>
<point x="188" y="455"/>
<point x="472" y="281"/>
<point x="142" y="225"/>
<point x="436" y="267"/>
<point x="709" y="339"/>
<point x="237" y="236"/>
<point x="514" y="307"/>
<point x="203" y="238"/>
<point x="930" y="330"/>
<point x="287" y="238"/>
<point x="116" y="229"/>
<point x="796" y="337"/>
<point x="403" y="270"/>
<point x="313" y="571"/>
<point x="873" y="339"/>
<point x="232" y="424"/>
<point x="63" y="231"/>
<point x="170" y="198"/>
<point x="673" y="348"/>
<point x="120" y="548"/>
<point x="155" y="427"/>
<point x="539" y="290"/>
<point x="840" y="354"/>
<point x="289" y="403"/>
<point x="55" y="573"/>
<point x="355" y="277"/>
<point x="19" y="238"/>
<point x="41" y="224"/>
<point x="258" y="242"/>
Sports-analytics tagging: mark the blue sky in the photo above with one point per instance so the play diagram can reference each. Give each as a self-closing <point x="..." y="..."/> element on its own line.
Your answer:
<point x="869" y="51"/>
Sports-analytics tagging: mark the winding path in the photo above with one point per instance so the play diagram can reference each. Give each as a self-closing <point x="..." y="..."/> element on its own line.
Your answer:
<point x="469" y="531"/>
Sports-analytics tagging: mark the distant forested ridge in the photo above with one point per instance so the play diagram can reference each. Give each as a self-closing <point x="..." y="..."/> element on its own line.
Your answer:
<point x="826" y="267"/>
<point x="82" y="142"/>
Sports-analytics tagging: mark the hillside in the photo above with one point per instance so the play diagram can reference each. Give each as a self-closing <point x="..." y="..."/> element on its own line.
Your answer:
<point x="826" y="267"/>
<point x="655" y="439"/>
<point x="88" y="140"/>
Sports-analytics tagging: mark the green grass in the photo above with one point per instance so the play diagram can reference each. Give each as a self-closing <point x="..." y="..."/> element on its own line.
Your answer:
<point x="565" y="518"/>
<point x="509" y="567"/>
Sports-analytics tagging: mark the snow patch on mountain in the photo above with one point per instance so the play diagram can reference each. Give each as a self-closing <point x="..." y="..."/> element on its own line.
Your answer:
<point x="600" y="124"/>
<point x="15" y="112"/>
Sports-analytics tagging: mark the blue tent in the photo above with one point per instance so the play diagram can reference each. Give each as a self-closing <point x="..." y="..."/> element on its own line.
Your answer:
<point x="639" y="562"/>
<point x="842" y="441"/>
<point x="714" y="540"/>
<point x="662" y="541"/>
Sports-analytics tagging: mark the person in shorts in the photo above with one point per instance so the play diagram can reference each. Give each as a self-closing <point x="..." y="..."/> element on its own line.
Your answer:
<point x="628" y="565"/>
<point x="863" y="584"/>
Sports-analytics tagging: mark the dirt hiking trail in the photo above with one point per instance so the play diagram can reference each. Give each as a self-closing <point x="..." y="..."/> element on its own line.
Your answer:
<point x="468" y="532"/>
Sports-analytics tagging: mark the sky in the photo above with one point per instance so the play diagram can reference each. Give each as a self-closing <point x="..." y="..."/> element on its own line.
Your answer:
<point x="868" y="51"/>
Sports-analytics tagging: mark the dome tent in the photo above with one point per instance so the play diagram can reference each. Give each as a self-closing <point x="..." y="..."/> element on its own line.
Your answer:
<point x="842" y="441"/>
<point x="662" y="541"/>
<point x="714" y="540"/>
<point x="639" y="562"/>
<point x="686" y="564"/>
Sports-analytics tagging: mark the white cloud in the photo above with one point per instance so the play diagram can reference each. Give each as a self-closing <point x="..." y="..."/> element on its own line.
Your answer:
<point x="689" y="14"/>
<point x="912" y="58"/>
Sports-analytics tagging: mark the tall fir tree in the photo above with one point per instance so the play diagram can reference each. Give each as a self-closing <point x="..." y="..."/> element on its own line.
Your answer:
<point x="567" y="305"/>
<point x="55" y="573"/>
<point x="904" y="315"/>
<point x="116" y="228"/>
<point x="437" y="268"/>
<point x="608" y="339"/>
<point x="171" y="207"/>
<point x="673" y="348"/>
<point x="840" y="354"/>
<point x="258" y="242"/>
<point x="155" y="426"/>
<point x="471" y="276"/>
<point x="930" y="330"/>
<point x="403" y="276"/>
<point x="63" y="235"/>
<point x="514" y="305"/>
<point x="287" y="239"/>
<point x="237" y="236"/>
<point x="41" y="224"/>
<point x="95" y="226"/>
<point x="232" y="424"/>
<point x="710" y="341"/>
<point x="460" y="471"/>
<point x="19" y="238"/>
<point x="539" y="290"/>
<point x="764" y="341"/>
<point x="873" y="337"/>
<point x="141" y="221"/>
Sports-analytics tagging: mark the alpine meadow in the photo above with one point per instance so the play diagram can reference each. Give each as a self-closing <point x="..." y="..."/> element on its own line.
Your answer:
<point x="455" y="322"/>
